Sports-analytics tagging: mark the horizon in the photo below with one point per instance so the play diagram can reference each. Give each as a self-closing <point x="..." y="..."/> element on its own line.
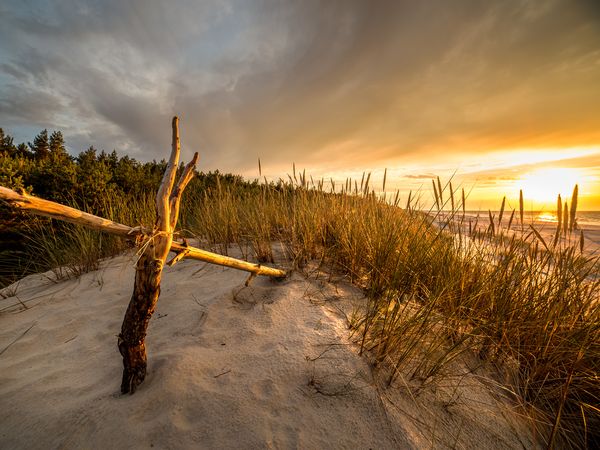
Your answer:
<point x="498" y="97"/>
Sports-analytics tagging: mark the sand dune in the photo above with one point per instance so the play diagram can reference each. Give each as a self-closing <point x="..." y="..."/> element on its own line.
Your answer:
<point x="267" y="366"/>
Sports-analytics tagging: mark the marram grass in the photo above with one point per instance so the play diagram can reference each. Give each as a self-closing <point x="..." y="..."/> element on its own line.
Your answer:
<point x="437" y="286"/>
<point x="522" y="304"/>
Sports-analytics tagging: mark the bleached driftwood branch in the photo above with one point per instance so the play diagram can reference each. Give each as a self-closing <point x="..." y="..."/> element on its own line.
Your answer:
<point x="55" y="210"/>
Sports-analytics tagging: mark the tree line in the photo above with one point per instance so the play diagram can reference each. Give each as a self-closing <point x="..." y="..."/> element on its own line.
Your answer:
<point x="90" y="181"/>
<point x="44" y="168"/>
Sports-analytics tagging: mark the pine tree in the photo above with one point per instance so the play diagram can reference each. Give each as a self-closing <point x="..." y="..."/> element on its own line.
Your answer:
<point x="23" y="151"/>
<point x="40" y="146"/>
<point x="87" y="158"/>
<point x="94" y="180"/>
<point x="113" y="160"/>
<point x="57" y="145"/>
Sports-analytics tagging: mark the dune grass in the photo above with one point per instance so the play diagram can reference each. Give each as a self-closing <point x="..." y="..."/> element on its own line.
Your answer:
<point x="437" y="287"/>
<point x="435" y="292"/>
<point x="68" y="250"/>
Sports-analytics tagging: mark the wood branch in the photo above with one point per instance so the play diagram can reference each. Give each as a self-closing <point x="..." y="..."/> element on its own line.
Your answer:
<point x="149" y="267"/>
<point x="178" y="257"/>
<point x="227" y="261"/>
<point x="185" y="178"/>
<point x="176" y="193"/>
<point x="54" y="210"/>
<point x="57" y="211"/>
<point x="166" y="185"/>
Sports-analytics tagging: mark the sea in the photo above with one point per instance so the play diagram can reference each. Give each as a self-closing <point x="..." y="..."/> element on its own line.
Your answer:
<point x="546" y="222"/>
<point x="585" y="219"/>
<point x="588" y="219"/>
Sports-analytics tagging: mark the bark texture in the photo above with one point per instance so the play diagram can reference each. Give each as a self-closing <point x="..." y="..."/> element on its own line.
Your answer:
<point x="131" y="342"/>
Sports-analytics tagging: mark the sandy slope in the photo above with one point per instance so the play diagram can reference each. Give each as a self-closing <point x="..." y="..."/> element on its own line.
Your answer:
<point x="268" y="366"/>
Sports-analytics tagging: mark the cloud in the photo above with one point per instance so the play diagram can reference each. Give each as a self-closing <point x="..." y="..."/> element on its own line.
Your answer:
<point x="423" y="176"/>
<point x="336" y="84"/>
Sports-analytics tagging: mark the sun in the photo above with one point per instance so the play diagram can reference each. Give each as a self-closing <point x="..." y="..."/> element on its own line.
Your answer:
<point x="544" y="185"/>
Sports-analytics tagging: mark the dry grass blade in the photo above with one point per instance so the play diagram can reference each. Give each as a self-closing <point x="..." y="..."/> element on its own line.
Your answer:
<point x="366" y="190"/>
<point x="559" y="214"/>
<point x="573" y="215"/>
<point x="510" y="221"/>
<point x="435" y="193"/>
<point x="384" y="178"/>
<point x="501" y="211"/>
<point x="539" y="236"/>
<point x="491" y="227"/>
<point x="521" y="206"/>
<point x="566" y="218"/>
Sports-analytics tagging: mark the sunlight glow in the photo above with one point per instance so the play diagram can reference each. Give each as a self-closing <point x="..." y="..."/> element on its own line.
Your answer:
<point x="544" y="185"/>
<point x="546" y="217"/>
<point x="513" y="158"/>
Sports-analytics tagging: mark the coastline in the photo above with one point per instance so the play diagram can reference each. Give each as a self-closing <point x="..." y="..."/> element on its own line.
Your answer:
<point x="543" y="222"/>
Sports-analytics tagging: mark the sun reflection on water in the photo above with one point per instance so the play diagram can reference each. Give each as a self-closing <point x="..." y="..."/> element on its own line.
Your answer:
<point x="546" y="217"/>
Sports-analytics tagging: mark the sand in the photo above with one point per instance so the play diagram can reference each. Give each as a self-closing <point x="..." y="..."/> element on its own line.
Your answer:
<point x="267" y="366"/>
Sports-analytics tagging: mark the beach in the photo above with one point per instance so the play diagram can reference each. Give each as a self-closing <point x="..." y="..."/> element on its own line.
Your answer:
<point x="271" y="365"/>
<point x="588" y="223"/>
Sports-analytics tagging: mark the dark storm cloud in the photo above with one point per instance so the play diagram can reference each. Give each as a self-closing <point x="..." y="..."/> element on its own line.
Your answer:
<point x="341" y="84"/>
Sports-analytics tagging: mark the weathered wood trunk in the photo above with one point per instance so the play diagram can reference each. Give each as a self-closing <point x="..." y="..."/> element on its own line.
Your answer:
<point x="146" y="289"/>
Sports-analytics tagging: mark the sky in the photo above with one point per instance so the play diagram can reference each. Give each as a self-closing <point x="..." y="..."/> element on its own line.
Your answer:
<point x="497" y="95"/>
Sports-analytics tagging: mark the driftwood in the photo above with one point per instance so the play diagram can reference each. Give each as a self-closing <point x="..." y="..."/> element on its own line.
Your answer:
<point x="155" y="245"/>
<point x="148" y="270"/>
<point x="54" y="210"/>
<point x="46" y="208"/>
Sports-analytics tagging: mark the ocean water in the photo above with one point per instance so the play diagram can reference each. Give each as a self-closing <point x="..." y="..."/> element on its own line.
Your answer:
<point x="545" y="222"/>
<point x="584" y="218"/>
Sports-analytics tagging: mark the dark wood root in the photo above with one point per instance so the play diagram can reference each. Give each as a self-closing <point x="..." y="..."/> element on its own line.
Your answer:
<point x="146" y="291"/>
<point x="134" y="366"/>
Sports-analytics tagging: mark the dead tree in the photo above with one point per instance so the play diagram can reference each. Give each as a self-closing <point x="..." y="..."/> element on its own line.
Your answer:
<point x="155" y="246"/>
<point x="149" y="267"/>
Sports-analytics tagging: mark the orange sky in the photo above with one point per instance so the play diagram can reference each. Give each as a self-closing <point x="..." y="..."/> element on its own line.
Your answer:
<point x="542" y="174"/>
